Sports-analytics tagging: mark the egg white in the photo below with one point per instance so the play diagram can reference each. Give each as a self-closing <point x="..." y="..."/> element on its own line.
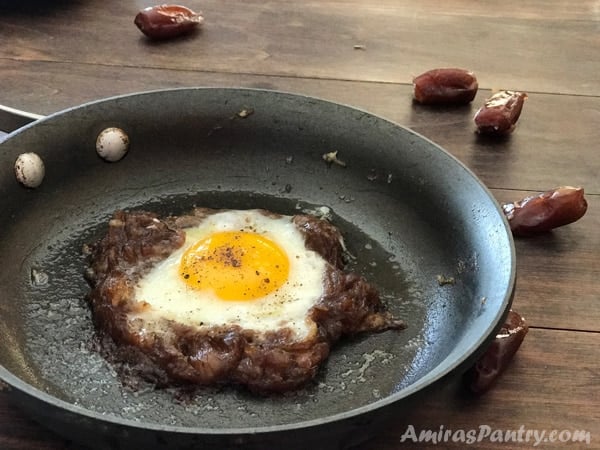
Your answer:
<point x="168" y="297"/>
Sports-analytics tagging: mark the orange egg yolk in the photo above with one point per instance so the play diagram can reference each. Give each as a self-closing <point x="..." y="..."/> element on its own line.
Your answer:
<point x="235" y="265"/>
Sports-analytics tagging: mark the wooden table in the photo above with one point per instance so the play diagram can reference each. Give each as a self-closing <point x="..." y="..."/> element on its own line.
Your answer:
<point x="58" y="54"/>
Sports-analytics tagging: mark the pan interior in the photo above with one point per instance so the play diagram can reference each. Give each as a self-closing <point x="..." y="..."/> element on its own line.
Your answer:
<point x="409" y="212"/>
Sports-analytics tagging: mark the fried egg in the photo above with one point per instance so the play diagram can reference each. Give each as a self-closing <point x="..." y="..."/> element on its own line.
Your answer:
<point x="250" y="298"/>
<point x="243" y="268"/>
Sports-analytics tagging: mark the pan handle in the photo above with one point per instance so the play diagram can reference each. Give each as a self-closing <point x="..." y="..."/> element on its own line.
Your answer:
<point x="12" y="119"/>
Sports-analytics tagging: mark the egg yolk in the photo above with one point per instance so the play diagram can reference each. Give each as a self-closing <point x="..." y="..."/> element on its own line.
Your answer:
<point x="235" y="265"/>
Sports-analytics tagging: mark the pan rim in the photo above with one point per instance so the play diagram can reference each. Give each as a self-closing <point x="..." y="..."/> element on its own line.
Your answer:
<point x="426" y="381"/>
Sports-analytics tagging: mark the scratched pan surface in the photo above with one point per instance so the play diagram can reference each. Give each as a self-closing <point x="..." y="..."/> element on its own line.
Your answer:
<point x="409" y="211"/>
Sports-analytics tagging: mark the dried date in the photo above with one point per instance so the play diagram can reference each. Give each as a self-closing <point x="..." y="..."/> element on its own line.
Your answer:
<point x="167" y="21"/>
<point x="500" y="113"/>
<point x="445" y="86"/>
<point x="545" y="211"/>
<point x="494" y="361"/>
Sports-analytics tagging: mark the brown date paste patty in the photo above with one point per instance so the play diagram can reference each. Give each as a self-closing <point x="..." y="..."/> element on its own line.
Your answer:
<point x="173" y="353"/>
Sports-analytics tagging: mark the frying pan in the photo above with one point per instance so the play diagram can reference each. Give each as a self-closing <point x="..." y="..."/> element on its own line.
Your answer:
<point x="412" y="215"/>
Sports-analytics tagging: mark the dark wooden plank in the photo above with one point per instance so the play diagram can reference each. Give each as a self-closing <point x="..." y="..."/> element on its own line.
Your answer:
<point x="567" y="399"/>
<point x="528" y="47"/>
<point x="511" y="9"/>
<point x="555" y="142"/>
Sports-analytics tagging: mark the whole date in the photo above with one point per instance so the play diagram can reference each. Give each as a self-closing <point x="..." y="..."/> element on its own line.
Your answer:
<point x="167" y="21"/>
<point x="545" y="211"/>
<point x="445" y="86"/>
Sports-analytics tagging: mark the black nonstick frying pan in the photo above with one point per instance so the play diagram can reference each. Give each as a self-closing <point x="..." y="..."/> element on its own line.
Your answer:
<point x="412" y="216"/>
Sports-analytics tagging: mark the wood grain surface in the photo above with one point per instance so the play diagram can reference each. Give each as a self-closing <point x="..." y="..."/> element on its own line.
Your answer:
<point x="55" y="55"/>
<point x="508" y="46"/>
